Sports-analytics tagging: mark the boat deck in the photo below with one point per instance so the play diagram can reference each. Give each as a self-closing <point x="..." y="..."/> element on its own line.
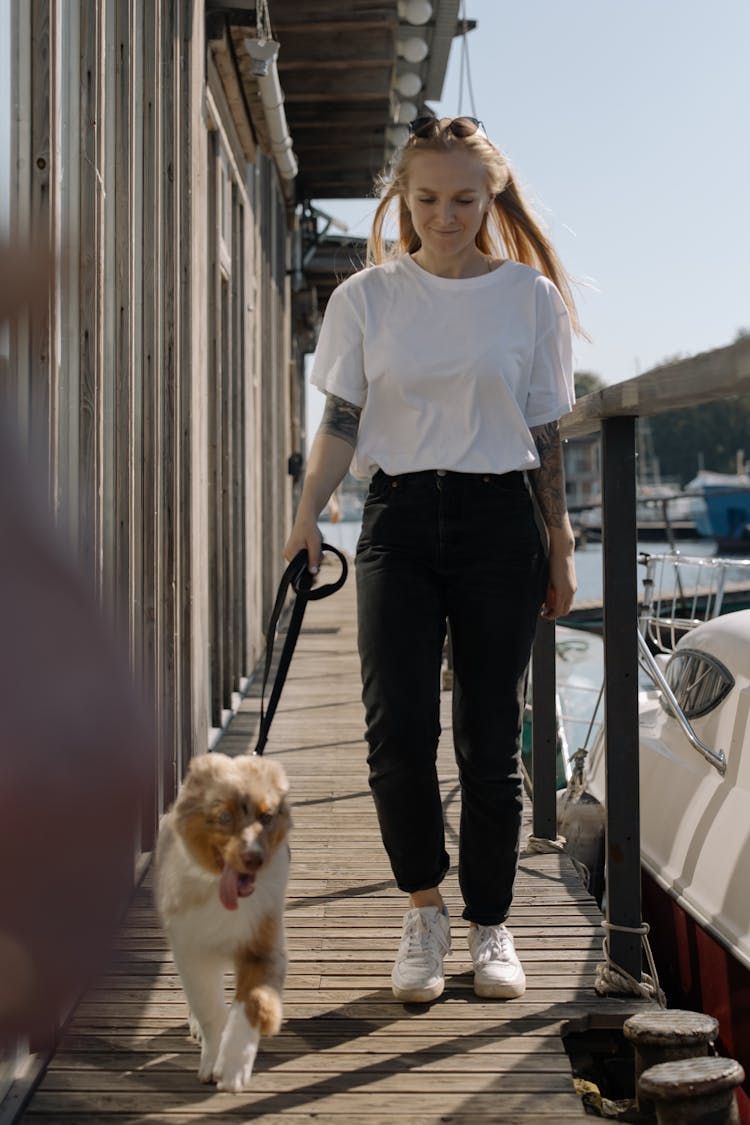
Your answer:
<point x="347" y="1051"/>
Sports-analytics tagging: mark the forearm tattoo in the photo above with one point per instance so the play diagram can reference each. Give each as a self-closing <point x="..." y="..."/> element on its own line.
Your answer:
<point x="548" y="481"/>
<point x="341" y="419"/>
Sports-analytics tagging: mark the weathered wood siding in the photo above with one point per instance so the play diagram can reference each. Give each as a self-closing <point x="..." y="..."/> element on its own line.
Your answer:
<point x="152" y="390"/>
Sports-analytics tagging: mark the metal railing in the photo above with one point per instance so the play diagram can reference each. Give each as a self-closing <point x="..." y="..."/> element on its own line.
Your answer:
<point x="615" y="409"/>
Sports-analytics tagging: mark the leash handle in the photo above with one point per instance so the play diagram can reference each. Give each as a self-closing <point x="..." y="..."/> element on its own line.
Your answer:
<point x="300" y="579"/>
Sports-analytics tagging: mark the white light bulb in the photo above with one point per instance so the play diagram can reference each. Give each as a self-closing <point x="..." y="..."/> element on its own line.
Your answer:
<point x="397" y="135"/>
<point x="413" y="49"/>
<point x="414" y="11"/>
<point x="407" y="111"/>
<point x="409" y="84"/>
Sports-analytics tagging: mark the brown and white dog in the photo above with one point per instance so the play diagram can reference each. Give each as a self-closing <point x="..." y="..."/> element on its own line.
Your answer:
<point x="222" y="862"/>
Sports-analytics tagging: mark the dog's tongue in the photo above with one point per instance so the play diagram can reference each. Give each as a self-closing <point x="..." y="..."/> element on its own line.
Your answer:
<point x="233" y="885"/>
<point x="228" y="887"/>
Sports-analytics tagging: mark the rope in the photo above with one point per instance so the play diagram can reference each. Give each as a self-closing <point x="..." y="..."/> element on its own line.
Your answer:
<point x="611" y="978"/>
<point x="465" y="65"/>
<point x="263" y="21"/>
<point x="541" y="844"/>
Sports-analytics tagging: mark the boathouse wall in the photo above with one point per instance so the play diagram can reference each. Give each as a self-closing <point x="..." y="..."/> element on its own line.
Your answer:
<point x="152" y="388"/>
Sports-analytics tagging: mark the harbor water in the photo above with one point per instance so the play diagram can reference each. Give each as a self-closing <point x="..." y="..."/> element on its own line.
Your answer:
<point x="344" y="535"/>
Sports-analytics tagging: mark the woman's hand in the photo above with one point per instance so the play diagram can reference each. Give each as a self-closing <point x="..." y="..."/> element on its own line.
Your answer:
<point x="305" y="534"/>
<point x="562" y="576"/>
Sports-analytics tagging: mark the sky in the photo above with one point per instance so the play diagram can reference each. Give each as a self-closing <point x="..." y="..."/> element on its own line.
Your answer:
<point x="628" y="127"/>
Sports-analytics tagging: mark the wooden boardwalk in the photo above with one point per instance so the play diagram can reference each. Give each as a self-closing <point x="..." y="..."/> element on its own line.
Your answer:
<point x="348" y="1052"/>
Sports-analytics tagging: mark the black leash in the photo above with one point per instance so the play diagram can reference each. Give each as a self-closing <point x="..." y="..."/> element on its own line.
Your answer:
<point x="299" y="578"/>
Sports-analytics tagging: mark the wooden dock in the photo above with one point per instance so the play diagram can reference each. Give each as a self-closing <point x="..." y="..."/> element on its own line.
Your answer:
<point x="348" y="1052"/>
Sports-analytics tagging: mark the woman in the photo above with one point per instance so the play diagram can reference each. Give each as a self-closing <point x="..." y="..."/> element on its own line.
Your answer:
<point x="446" y="367"/>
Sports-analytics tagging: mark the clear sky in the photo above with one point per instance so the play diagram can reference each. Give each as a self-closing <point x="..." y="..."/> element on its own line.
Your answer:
<point x="628" y="125"/>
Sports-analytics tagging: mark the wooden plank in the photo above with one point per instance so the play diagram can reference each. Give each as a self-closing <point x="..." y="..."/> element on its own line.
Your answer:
<point x="226" y="88"/>
<point x="89" y="291"/>
<point x="214" y="436"/>
<point x="238" y="494"/>
<point x="109" y="373"/>
<point x="152" y="355"/>
<point x="196" y="574"/>
<point x="136" y="512"/>
<point x="325" y="1102"/>
<point x="688" y="382"/>
<point x="364" y="1117"/>
<point x="42" y="349"/>
<point x="67" y="383"/>
<point x="122" y="214"/>
<point x="167" y="634"/>
<point x="186" y="403"/>
<point x="227" y="451"/>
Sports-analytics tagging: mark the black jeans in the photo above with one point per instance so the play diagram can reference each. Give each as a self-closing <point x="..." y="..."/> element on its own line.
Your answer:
<point x="463" y="548"/>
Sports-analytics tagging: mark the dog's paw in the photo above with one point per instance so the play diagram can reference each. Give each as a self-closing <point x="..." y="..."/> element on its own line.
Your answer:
<point x="207" y="1066"/>
<point x="239" y="1046"/>
<point x="209" y="1053"/>
<point x="195" y="1029"/>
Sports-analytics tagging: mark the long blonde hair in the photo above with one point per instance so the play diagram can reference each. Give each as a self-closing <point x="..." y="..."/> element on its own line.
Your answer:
<point x="509" y="229"/>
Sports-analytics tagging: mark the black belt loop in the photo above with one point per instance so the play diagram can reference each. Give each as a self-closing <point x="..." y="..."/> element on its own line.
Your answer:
<point x="300" y="579"/>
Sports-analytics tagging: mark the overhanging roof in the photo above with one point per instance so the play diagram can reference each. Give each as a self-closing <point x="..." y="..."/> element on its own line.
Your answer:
<point x="337" y="63"/>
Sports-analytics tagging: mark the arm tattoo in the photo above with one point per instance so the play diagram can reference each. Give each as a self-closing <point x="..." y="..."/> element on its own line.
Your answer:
<point x="548" y="481"/>
<point x="341" y="419"/>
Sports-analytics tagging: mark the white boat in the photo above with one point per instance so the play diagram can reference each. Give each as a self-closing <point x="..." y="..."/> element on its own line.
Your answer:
<point x="694" y="734"/>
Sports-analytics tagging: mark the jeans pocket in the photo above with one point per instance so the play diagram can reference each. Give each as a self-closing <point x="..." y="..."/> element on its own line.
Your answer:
<point x="381" y="487"/>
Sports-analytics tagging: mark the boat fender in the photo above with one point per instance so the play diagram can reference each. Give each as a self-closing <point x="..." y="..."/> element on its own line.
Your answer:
<point x="580" y="819"/>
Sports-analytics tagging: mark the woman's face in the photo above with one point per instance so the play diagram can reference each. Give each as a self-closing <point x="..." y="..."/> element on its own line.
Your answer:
<point x="447" y="197"/>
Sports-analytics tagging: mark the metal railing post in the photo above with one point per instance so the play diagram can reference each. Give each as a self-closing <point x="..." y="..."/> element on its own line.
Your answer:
<point x="544" y="732"/>
<point x="623" y="834"/>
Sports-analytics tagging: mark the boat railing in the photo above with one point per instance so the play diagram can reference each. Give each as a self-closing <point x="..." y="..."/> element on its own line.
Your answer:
<point x="648" y="662"/>
<point x="680" y="592"/>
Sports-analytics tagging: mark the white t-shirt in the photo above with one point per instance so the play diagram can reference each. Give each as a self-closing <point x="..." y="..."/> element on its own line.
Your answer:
<point x="450" y="372"/>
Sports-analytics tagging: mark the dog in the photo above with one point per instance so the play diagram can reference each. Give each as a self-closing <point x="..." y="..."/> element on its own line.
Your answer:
<point x="222" y="863"/>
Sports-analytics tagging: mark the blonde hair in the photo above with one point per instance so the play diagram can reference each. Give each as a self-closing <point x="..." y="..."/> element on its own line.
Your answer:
<point x="509" y="228"/>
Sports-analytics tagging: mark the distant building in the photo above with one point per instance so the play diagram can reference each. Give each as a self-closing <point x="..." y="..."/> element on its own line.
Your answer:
<point x="582" y="457"/>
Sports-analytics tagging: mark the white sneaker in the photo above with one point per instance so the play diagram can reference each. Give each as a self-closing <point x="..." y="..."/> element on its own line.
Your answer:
<point x="497" y="971"/>
<point x="418" y="972"/>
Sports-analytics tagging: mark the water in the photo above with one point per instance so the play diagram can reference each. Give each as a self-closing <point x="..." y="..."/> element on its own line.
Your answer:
<point x="344" y="535"/>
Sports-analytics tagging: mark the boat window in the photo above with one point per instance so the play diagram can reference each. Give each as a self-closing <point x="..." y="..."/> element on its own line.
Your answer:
<point x="699" y="681"/>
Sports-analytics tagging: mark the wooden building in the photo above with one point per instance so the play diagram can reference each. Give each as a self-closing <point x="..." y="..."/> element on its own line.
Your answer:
<point x="159" y="389"/>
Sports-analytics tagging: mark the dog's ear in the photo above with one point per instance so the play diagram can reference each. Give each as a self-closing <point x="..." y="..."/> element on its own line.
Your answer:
<point x="278" y="776"/>
<point x="202" y="769"/>
<point x="201" y="766"/>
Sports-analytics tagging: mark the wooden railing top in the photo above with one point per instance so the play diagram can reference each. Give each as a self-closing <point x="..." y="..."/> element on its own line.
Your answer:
<point x="686" y="382"/>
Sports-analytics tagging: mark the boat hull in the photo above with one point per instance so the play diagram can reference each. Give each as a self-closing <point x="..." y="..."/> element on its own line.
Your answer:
<point x="694" y="830"/>
<point x="699" y="974"/>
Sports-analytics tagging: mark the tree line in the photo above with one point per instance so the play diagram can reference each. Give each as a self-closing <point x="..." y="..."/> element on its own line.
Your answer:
<point x="695" y="437"/>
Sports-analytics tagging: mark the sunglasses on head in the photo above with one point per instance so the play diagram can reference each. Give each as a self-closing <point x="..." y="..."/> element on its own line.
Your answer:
<point x="430" y="126"/>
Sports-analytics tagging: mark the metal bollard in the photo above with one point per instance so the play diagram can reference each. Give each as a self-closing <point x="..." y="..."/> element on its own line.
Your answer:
<point x="694" y="1091"/>
<point x="662" y="1036"/>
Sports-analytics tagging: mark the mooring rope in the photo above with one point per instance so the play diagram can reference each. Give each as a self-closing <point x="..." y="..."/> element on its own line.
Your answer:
<point x="541" y="844"/>
<point x="611" y="978"/>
